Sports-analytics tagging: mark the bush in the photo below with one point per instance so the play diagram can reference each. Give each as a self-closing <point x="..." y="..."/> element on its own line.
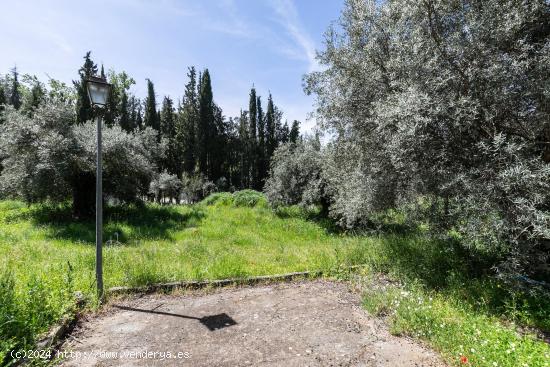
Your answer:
<point x="295" y="177"/>
<point x="165" y="185"/>
<point x="249" y="198"/>
<point x="195" y="187"/>
<point x="218" y="198"/>
<point x="244" y="198"/>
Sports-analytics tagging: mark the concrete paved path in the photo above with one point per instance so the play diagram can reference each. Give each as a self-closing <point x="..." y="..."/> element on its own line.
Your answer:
<point x="309" y="323"/>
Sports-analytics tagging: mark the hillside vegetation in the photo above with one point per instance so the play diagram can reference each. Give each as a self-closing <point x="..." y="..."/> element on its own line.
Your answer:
<point x="46" y="256"/>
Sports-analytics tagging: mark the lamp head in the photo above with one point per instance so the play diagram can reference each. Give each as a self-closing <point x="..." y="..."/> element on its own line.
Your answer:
<point x="98" y="90"/>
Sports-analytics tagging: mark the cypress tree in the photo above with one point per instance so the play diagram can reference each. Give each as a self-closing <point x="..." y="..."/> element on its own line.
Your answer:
<point x="244" y="140"/>
<point x="15" y="96"/>
<point x="34" y="98"/>
<point x="284" y="133"/>
<point x="84" y="110"/>
<point x="150" y="118"/>
<point x="261" y="168"/>
<point x="125" y="113"/>
<point x="188" y="123"/>
<point x="271" y="138"/>
<point x="294" y="134"/>
<point x="2" y="105"/>
<point x="252" y="114"/>
<point x="206" y="124"/>
<point x="218" y="148"/>
<point x="168" y="131"/>
<point x="2" y="96"/>
<point x="132" y="107"/>
<point x="139" y="116"/>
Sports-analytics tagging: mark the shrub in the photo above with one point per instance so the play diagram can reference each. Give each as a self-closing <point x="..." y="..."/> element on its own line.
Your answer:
<point x="165" y="185"/>
<point x="296" y="175"/>
<point x="195" y="187"/>
<point x="218" y="198"/>
<point x="249" y="198"/>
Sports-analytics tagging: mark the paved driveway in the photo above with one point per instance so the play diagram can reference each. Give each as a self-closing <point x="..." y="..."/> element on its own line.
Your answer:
<point x="309" y="323"/>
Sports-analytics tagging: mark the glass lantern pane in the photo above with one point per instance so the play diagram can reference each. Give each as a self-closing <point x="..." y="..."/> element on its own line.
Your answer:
<point x="98" y="93"/>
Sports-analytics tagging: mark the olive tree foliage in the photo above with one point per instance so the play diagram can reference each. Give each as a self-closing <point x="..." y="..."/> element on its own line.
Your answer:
<point x="165" y="185"/>
<point x="296" y="175"/>
<point x="46" y="157"/>
<point x="447" y="100"/>
<point x="195" y="187"/>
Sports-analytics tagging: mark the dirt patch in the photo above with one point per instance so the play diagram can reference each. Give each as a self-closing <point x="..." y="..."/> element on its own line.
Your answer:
<point x="310" y="323"/>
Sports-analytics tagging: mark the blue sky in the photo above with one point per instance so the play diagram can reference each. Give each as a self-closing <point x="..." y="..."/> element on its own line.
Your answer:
<point x="270" y="43"/>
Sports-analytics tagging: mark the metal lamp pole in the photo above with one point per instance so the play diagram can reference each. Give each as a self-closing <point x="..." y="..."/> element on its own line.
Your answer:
<point x="99" y="215"/>
<point x="98" y="91"/>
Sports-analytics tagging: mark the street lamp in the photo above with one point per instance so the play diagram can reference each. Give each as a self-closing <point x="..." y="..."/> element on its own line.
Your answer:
<point x="98" y="91"/>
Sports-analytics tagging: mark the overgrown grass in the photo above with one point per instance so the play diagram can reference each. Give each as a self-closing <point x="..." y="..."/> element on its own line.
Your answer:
<point x="461" y="333"/>
<point x="443" y="296"/>
<point x="46" y="256"/>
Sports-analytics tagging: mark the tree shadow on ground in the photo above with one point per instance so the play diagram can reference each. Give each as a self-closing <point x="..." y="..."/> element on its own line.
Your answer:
<point x="382" y="224"/>
<point x="122" y="224"/>
<point x="312" y="214"/>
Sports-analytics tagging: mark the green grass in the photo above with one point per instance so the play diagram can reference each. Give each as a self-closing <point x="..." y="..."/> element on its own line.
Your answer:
<point x="457" y="330"/>
<point x="45" y="256"/>
<point x="441" y="295"/>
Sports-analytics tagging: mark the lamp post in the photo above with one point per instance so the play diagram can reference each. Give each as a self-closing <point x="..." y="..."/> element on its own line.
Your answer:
<point x="98" y="91"/>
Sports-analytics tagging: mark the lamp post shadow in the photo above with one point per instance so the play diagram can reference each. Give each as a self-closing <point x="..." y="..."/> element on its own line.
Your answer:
<point x="212" y="322"/>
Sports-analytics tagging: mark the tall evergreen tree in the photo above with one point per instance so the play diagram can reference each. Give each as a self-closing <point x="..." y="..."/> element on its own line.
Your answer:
<point x="34" y="97"/>
<point x="252" y="143"/>
<point x="284" y="133"/>
<point x="2" y="96"/>
<point x="206" y="124"/>
<point x="15" y="96"/>
<point x="150" y="119"/>
<point x="2" y="106"/>
<point x="218" y="147"/>
<point x="271" y="137"/>
<point x="125" y="113"/>
<point x="118" y="108"/>
<point x="188" y="123"/>
<point x="84" y="111"/>
<point x="133" y="108"/>
<point x="168" y="132"/>
<point x="139" y="116"/>
<point x="261" y="163"/>
<point x="294" y="134"/>
<point x="244" y="140"/>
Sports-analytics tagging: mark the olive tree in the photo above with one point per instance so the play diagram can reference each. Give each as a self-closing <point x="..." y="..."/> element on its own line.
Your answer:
<point x="295" y="176"/>
<point x="46" y="157"/>
<point x="445" y="100"/>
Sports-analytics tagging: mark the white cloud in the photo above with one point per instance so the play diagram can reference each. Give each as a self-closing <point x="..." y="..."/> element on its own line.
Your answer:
<point x="289" y="19"/>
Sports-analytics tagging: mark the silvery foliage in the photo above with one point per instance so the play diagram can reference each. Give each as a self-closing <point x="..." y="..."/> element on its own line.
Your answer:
<point x="165" y="184"/>
<point x="195" y="187"/>
<point x="44" y="154"/>
<point x="295" y="176"/>
<point x="445" y="101"/>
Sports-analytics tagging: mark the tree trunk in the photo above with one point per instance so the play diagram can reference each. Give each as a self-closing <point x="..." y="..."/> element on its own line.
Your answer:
<point x="83" y="186"/>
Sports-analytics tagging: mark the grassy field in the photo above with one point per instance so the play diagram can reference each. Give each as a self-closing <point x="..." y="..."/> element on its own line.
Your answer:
<point x="45" y="257"/>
